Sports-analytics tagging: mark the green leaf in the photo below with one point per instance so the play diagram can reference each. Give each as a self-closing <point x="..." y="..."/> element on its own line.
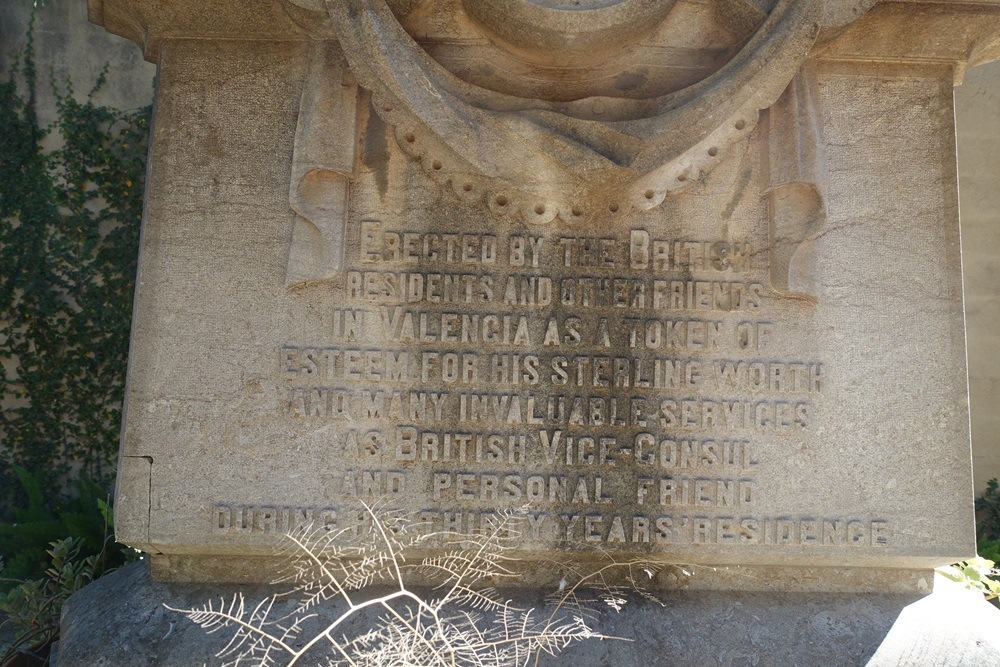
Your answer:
<point x="952" y="572"/>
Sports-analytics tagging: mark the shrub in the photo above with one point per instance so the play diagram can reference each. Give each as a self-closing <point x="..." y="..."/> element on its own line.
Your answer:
<point x="988" y="512"/>
<point x="85" y="517"/>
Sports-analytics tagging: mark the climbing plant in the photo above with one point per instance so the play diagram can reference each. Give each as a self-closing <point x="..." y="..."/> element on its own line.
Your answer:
<point x="69" y="228"/>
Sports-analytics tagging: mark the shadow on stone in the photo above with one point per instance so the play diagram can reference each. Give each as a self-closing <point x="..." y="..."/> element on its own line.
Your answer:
<point x="121" y="619"/>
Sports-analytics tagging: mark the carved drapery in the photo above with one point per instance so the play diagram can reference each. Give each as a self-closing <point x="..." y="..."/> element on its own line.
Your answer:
<point x="542" y="159"/>
<point x="539" y="158"/>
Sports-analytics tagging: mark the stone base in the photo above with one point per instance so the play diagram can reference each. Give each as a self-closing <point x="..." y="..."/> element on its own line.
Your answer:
<point x="545" y="574"/>
<point x="121" y="620"/>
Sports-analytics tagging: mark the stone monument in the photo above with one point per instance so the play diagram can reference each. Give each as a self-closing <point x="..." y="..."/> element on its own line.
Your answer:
<point x="677" y="279"/>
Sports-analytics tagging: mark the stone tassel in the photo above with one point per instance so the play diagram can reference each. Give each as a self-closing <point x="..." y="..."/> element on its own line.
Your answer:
<point x="795" y="204"/>
<point x="324" y="162"/>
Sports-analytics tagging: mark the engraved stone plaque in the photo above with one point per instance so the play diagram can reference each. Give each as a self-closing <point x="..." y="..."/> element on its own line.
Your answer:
<point x="404" y="264"/>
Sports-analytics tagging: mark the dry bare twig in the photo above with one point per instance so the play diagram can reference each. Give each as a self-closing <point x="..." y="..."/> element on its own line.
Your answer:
<point x="460" y="621"/>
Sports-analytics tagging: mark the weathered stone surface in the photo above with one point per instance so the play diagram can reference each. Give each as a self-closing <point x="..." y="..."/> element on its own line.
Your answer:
<point x="952" y="627"/>
<point x="686" y="290"/>
<point x="711" y="314"/>
<point x="701" y="628"/>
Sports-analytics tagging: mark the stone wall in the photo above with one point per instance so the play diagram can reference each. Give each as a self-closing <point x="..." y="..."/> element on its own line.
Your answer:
<point x="71" y="48"/>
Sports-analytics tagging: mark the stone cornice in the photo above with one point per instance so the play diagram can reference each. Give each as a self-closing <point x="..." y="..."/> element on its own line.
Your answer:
<point x="149" y="22"/>
<point x="959" y="32"/>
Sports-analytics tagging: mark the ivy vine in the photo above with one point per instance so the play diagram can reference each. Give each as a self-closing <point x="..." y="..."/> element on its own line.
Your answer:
<point x="69" y="231"/>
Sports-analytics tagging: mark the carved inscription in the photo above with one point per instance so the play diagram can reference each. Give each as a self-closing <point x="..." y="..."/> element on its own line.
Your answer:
<point x="576" y="529"/>
<point x="622" y="389"/>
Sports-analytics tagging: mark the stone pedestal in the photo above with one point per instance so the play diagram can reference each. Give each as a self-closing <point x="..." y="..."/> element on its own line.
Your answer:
<point x="674" y="281"/>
